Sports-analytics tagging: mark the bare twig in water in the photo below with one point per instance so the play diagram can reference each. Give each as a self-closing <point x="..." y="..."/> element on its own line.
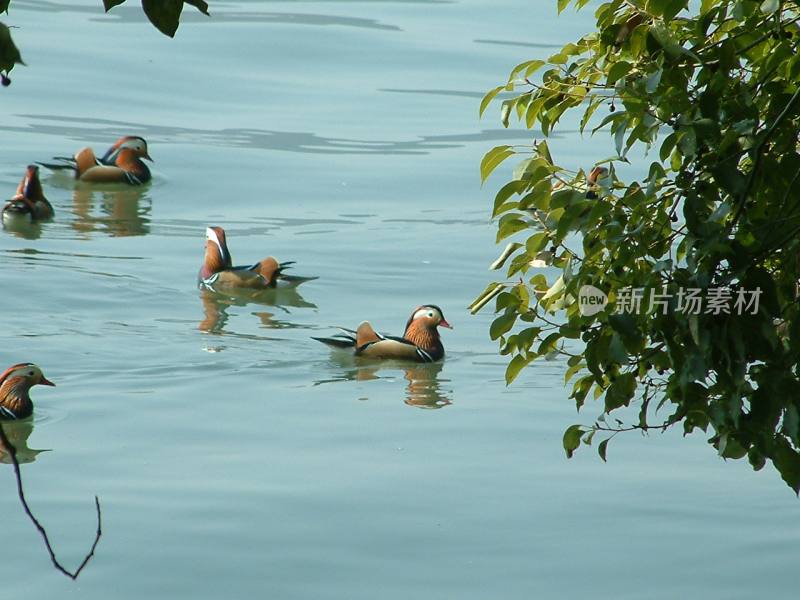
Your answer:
<point x="12" y="452"/>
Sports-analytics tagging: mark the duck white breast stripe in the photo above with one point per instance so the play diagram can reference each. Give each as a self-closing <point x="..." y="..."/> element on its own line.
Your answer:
<point x="209" y="281"/>
<point x="424" y="355"/>
<point x="7" y="412"/>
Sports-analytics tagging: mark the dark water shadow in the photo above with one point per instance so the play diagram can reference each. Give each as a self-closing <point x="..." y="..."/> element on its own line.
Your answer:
<point x="519" y="44"/>
<point x="113" y="209"/>
<point x="89" y="130"/>
<point x="436" y="92"/>
<point x="216" y="306"/>
<point x="18" y="433"/>
<point x="425" y="388"/>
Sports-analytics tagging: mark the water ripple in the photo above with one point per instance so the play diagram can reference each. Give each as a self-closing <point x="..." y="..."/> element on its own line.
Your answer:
<point x="261" y="139"/>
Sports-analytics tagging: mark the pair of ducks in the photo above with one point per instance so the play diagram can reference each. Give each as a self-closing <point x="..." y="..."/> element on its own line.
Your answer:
<point x="122" y="163"/>
<point x="420" y="341"/>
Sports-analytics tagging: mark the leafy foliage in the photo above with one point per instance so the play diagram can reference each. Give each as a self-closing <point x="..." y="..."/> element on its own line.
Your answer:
<point x="164" y="14"/>
<point x="709" y="92"/>
<point x="9" y="54"/>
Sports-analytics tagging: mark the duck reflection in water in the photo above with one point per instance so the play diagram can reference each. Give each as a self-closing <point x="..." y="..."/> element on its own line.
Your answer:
<point x="424" y="387"/>
<point x="216" y="306"/>
<point x="113" y="209"/>
<point x="18" y="433"/>
<point x="26" y="231"/>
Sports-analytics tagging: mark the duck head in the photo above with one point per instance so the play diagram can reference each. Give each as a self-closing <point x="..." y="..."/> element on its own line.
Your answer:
<point x="217" y="257"/>
<point x="15" y="382"/>
<point x="133" y="144"/>
<point x="425" y="319"/>
<point x="29" y="375"/>
<point x="428" y="316"/>
<point x="595" y="174"/>
<point x="30" y="187"/>
<point x="422" y="329"/>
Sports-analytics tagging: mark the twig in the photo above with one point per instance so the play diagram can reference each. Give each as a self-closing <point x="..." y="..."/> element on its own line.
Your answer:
<point x="12" y="452"/>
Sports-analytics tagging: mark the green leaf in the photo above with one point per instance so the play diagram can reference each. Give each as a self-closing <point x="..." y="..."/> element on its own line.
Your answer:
<point x="487" y="99"/>
<point x="572" y="439"/>
<point x="509" y="225"/>
<point x="770" y="6"/>
<point x="502" y="324"/>
<point x="620" y="392"/>
<point x="618" y="70"/>
<point x="164" y="14"/>
<point x="9" y="54"/>
<point x="199" y="5"/>
<point x="528" y="68"/>
<point x="492" y="290"/>
<point x="601" y="449"/>
<point x="787" y="461"/>
<point x="505" y="112"/>
<point x="493" y="158"/>
<point x="515" y="366"/>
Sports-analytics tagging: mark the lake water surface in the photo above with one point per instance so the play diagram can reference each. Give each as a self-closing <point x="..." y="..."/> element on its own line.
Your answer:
<point x="237" y="458"/>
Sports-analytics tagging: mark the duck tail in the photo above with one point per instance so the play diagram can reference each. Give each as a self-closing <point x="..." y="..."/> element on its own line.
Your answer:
<point x="346" y="339"/>
<point x="66" y="163"/>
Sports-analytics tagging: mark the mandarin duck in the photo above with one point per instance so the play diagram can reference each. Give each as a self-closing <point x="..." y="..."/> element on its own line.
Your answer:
<point x="122" y="163"/>
<point x="29" y="203"/>
<point x="218" y="272"/>
<point x="15" y="382"/>
<point x="592" y="178"/>
<point x="420" y="341"/>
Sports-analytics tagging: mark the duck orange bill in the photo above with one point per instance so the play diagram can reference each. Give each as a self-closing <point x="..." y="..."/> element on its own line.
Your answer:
<point x="444" y="323"/>
<point x="46" y="381"/>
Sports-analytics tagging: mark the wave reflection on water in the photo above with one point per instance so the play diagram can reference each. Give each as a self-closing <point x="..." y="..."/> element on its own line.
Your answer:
<point x="88" y="130"/>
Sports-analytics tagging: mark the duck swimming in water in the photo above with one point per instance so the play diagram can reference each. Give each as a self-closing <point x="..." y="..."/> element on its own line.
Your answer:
<point x="29" y="203"/>
<point x="218" y="272"/>
<point x="420" y="341"/>
<point x="15" y="383"/>
<point x="122" y="163"/>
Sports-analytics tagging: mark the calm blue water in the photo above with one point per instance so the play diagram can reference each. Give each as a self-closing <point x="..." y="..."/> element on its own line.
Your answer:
<point x="235" y="457"/>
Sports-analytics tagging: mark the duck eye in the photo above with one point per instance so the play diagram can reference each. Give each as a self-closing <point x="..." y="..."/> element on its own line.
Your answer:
<point x="430" y="314"/>
<point x="30" y="374"/>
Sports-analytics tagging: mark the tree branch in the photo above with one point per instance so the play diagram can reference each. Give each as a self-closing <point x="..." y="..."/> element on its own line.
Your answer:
<point x="12" y="452"/>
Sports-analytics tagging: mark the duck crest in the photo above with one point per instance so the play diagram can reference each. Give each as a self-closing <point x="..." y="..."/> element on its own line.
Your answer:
<point x="11" y="369"/>
<point x="217" y="257"/>
<point x="111" y="154"/>
<point x="30" y="187"/>
<point x="269" y="268"/>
